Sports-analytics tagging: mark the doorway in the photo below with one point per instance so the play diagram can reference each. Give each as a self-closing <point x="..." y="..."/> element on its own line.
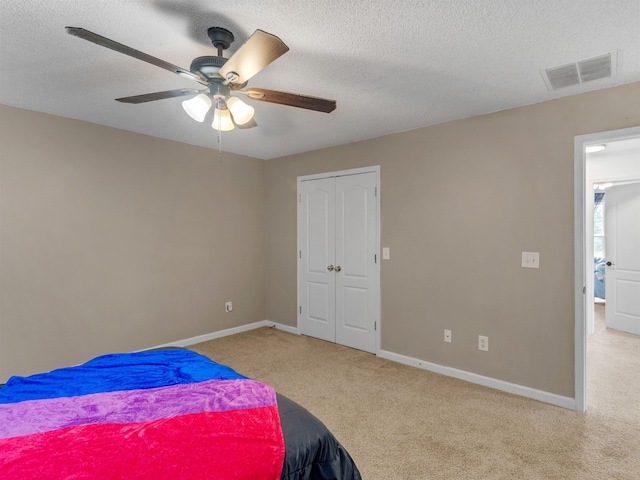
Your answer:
<point x="583" y="228"/>
<point x="622" y="220"/>
<point x="338" y="257"/>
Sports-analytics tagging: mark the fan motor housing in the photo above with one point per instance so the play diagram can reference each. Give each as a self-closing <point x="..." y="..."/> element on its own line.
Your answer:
<point x="208" y="65"/>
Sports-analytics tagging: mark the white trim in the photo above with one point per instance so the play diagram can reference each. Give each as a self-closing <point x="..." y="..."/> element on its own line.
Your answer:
<point x="225" y="333"/>
<point x="579" y="180"/>
<point x="619" y="180"/>
<point x="284" y="328"/>
<point x="552" y="398"/>
<point x="341" y="173"/>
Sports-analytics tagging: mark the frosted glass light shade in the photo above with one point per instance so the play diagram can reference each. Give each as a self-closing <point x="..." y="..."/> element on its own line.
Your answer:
<point x="241" y="112"/>
<point x="595" y="148"/>
<point x="197" y="107"/>
<point x="222" y="120"/>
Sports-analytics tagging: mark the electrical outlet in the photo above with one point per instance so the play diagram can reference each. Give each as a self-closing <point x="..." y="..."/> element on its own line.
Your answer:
<point x="530" y="259"/>
<point x="447" y="336"/>
<point x="483" y="343"/>
<point x="228" y="307"/>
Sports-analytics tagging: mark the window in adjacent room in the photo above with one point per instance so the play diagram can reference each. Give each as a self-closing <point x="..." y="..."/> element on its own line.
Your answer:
<point x="598" y="227"/>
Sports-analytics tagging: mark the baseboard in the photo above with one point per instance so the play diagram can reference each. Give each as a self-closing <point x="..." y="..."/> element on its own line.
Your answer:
<point x="211" y="336"/>
<point x="225" y="333"/>
<point x="284" y="328"/>
<point x="540" y="395"/>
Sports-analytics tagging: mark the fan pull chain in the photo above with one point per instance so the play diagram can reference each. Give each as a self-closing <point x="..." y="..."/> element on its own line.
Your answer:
<point x="219" y="131"/>
<point x="216" y="101"/>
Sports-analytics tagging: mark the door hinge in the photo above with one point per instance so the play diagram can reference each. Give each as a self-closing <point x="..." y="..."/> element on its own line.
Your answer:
<point x="300" y="309"/>
<point x="375" y="325"/>
<point x="300" y="198"/>
<point x="375" y="258"/>
<point x="584" y="290"/>
<point x="300" y="253"/>
<point x="375" y="190"/>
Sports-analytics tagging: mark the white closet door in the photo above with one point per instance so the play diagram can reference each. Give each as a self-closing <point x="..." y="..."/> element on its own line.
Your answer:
<point x="338" y="269"/>
<point x="317" y="255"/>
<point x="356" y="246"/>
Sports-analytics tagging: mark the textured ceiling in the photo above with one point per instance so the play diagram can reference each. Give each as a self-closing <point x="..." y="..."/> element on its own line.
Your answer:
<point x="391" y="66"/>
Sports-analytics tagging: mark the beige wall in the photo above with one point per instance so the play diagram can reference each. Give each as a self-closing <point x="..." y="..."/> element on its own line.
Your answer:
<point x="115" y="241"/>
<point x="459" y="203"/>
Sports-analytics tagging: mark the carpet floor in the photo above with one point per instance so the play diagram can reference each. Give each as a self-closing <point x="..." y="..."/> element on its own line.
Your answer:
<point x="400" y="422"/>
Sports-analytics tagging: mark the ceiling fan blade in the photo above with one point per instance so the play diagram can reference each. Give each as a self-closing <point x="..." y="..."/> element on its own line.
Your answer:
<point x="119" y="47"/>
<point x="150" y="97"/>
<point x="256" y="53"/>
<point x="292" y="99"/>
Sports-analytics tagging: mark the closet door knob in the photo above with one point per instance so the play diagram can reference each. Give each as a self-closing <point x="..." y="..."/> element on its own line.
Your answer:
<point x="330" y="268"/>
<point x="338" y="268"/>
<point x="608" y="264"/>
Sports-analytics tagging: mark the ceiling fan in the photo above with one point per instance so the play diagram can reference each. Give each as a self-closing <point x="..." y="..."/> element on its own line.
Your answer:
<point x="221" y="77"/>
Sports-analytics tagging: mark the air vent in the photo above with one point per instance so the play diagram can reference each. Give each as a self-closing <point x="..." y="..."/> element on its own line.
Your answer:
<point x="564" y="76"/>
<point x="582" y="71"/>
<point x="595" y="68"/>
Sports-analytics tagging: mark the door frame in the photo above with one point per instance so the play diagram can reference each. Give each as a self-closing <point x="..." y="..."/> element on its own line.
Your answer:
<point x="580" y="249"/>
<point x="340" y="173"/>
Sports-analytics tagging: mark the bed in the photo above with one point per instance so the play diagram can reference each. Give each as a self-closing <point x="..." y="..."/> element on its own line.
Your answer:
<point x="170" y="413"/>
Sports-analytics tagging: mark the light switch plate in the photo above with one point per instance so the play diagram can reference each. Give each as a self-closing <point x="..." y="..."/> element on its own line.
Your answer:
<point x="447" y="336"/>
<point x="385" y="253"/>
<point x="530" y="259"/>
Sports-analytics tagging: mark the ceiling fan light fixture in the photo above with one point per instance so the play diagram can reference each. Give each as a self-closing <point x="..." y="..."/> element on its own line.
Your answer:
<point x="222" y="120"/>
<point x="220" y="76"/>
<point x="241" y="112"/>
<point x="595" y="148"/>
<point x="197" y="107"/>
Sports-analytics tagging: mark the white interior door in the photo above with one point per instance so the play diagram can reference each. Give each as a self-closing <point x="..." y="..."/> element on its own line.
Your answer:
<point x="622" y="238"/>
<point x="357" y="297"/>
<point x="338" y="265"/>
<point x="316" y="260"/>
